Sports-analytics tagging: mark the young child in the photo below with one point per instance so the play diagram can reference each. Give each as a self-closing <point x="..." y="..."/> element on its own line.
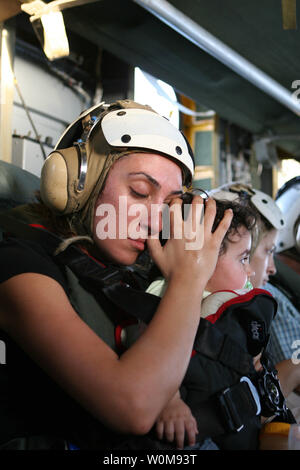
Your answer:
<point x="207" y="375"/>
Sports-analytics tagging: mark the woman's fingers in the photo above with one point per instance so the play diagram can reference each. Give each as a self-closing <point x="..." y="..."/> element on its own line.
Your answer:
<point x="223" y="226"/>
<point x="169" y="431"/>
<point x="209" y="215"/>
<point x="180" y="434"/>
<point x="155" y="248"/>
<point x="160" y="429"/>
<point x="192" y="245"/>
<point x="191" y="431"/>
<point x="193" y="226"/>
<point x="176" y="220"/>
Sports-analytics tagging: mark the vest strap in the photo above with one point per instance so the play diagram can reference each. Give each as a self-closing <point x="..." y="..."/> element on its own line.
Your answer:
<point x="229" y="411"/>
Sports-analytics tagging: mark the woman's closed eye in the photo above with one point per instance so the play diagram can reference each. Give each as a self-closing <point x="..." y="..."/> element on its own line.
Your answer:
<point x="138" y="194"/>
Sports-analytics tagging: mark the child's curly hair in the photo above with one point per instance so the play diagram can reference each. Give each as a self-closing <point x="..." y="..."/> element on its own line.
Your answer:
<point x="243" y="216"/>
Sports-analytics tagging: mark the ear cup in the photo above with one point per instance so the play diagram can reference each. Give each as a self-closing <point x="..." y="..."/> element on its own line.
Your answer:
<point x="60" y="175"/>
<point x="54" y="182"/>
<point x="297" y="235"/>
<point x="59" y="182"/>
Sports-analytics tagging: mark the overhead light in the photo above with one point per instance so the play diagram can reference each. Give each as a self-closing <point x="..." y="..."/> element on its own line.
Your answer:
<point x="55" y="40"/>
<point x="48" y="23"/>
<point x="50" y="29"/>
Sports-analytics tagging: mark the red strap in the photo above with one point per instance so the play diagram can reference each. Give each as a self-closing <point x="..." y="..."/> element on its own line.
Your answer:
<point x="118" y="340"/>
<point x="118" y="333"/>
<point x="38" y="226"/>
<point x="92" y="257"/>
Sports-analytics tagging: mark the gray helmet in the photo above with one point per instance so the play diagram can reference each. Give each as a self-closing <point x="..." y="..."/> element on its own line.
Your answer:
<point x="261" y="202"/>
<point x="264" y="204"/>
<point x="288" y="200"/>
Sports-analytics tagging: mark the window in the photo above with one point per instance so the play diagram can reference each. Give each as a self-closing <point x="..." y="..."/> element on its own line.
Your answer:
<point x="157" y="94"/>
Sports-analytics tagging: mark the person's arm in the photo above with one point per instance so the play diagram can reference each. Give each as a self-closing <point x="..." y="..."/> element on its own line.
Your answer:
<point x="176" y="423"/>
<point x="129" y="392"/>
<point x="289" y="376"/>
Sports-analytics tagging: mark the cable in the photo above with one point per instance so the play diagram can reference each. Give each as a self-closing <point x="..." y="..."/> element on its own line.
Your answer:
<point x="29" y="117"/>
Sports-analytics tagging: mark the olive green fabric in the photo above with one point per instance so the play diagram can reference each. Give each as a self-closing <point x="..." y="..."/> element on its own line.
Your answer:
<point x="17" y="186"/>
<point x="89" y="310"/>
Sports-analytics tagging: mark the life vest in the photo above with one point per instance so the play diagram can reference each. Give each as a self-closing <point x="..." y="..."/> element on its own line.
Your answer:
<point x="40" y="405"/>
<point x="112" y="301"/>
<point x="220" y="385"/>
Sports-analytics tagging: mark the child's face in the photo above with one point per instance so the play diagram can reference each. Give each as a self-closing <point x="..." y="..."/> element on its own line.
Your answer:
<point x="262" y="260"/>
<point x="232" y="269"/>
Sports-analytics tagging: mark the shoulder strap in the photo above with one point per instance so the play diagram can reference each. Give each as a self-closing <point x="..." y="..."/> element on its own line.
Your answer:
<point x="13" y="226"/>
<point x="229" y="411"/>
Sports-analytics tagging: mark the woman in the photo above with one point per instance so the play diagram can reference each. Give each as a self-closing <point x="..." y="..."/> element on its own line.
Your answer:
<point x="64" y="375"/>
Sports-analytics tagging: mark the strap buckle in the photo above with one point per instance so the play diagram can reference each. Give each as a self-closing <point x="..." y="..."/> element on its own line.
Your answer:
<point x="232" y="408"/>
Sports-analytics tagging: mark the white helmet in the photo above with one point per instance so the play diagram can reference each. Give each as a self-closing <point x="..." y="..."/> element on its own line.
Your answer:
<point x="265" y="205"/>
<point x="288" y="200"/>
<point x="75" y="172"/>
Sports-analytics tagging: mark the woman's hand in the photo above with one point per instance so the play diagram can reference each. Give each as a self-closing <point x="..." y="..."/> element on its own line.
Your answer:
<point x="192" y="248"/>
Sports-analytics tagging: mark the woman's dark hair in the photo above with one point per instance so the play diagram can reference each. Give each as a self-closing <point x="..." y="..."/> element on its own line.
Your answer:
<point x="48" y="218"/>
<point x="243" y="216"/>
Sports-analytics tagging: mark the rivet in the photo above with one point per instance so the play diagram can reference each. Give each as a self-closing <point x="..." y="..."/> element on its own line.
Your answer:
<point x="126" y="138"/>
<point x="178" y="150"/>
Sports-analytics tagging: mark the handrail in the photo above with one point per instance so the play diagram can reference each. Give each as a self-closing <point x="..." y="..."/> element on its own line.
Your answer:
<point x="213" y="46"/>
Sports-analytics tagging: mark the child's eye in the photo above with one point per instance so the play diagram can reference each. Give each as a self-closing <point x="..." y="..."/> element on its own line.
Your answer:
<point x="245" y="259"/>
<point x="137" y="194"/>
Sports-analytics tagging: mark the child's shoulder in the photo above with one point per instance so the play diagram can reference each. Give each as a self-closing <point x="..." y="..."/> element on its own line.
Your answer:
<point x="212" y="302"/>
